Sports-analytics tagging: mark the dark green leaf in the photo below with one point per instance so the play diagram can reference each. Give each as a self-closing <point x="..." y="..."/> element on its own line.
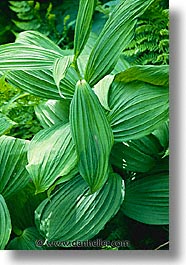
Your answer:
<point x="51" y="155"/>
<point x="5" y="223"/>
<point x="92" y="135"/>
<point x="78" y="214"/>
<point x="147" y="199"/>
<point x="13" y="159"/>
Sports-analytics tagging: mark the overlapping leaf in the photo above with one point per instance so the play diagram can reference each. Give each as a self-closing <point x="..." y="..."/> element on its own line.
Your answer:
<point x="51" y="155"/>
<point x="27" y="240"/>
<point x="79" y="215"/>
<point x="83" y="24"/>
<point x="117" y="33"/>
<point x="137" y="155"/>
<point x="13" y="159"/>
<point x="137" y="109"/>
<point x="5" y="223"/>
<point x="152" y="74"/>
<point x="147" y="199"/>
<point x="53" y="112"/>
<point x="92" y="135"/>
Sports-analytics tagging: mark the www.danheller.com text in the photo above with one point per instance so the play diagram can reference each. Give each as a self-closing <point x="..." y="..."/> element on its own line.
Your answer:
<point x="87" y="243"/>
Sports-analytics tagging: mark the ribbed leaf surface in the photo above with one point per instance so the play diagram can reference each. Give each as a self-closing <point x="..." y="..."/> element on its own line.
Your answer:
<point x="83" y="24"/>
<point x="53" y="112"/>
<point x="17" y="56"/>
<point x="27" y="240"/>
<point x="147" y="200"/>
<point x="137" y="109"/>
<point x="152" y="74"/>
<point x="13" y="159"/>
<point x="5" y="223"/>
<point x="51" y="155"/>
<point x="79" y="215"/>
<point x="137" y="155"/>
<point x="92" y="135"/>
<point x="117" y="33"/>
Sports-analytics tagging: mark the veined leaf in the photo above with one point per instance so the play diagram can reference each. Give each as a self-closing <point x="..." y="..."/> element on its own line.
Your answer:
<point x="79" y="215"/>
<point x="147" y="199"/>
<point x="53" y="112"/>
<point x="5" y="223"/>
<point x="41" y="83"/>
<point x="21" y="207"/>
<point x="13" y="159"/>
<point x="26" y="241"/>
<point x="137" y="155"/>
<point x="83" y="24"/>
<point x="5" y="124"/>
<point x="117" y="33"/>
<point x="17" y="56"/>
<point x="137" y="109"/>
<point x="60" y="68"/>
<point x="162" y="134"/>
<point x="51" y="155"/>
<point x="31" y="37"/>
<point x="92" y="135"/>
<point x="102" y="88"/>
<point x="153" y="74"/>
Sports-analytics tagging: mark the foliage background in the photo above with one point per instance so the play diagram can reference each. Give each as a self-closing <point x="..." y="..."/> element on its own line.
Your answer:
<point x="56" y="19"/>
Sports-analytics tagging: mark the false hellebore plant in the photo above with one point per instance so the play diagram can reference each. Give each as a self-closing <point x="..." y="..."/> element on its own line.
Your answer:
<point x="101" y="119"/>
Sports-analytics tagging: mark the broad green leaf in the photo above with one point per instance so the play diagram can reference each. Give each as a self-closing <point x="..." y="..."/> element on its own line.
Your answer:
<point x="27" y="240"/>
<point x="13" y="159"/>
<point x="5" y="223"/>
<point x="51" y="155"/>
<point x="83" y="25"/>
<point x="117" y="33"/>
<point x="17" y="56"/>
<point x="102" y="88"/>
<point x="60" y="68"/>
<point x="53" y="112"/>
<point x="92" y="135"/>
<point x="42" y="84"/>
<point x="162" y="134"/>
<point x="22" y="206"/>
<point x="137" y="155"/>
<point x="153" y="74"/>
<point x="147" y="199"/>
<point x="36" y="38"/>
<point x="137" y="109"/>
<point x="5" y="124"/>
<point x="78" y="214"/>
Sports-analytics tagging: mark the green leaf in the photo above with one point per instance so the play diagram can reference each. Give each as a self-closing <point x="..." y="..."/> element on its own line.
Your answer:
<point x="137" y="155"/>
<point x="102" y="89"/>
<point x="147" y="199"/>
<point x="117" y="33"/>
<point x="51" y="155"/>
<point x="27" y="240"/>
<point x="92" y="135"/>
<point x="83" y="24"/>
<point x="60" y="68"/>
<point x="137" y="109"/>
<point x="36" y="38"/>
<point x="22" y="206"/>
<point x="17" y="56"/>
<point x="5" y="124"/>
<point x="79" y="215"/>
<point x="162" y="134"/>
<point x="5" y="223"/>
<point x="153" y="74"/>
<point x="53" y="112"/>
<point x="13" y="159"/>
<point x="41" y="83"/>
